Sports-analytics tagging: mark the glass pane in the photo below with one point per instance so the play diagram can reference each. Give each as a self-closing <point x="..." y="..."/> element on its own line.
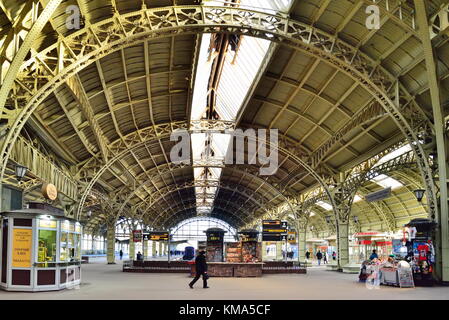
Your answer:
<point x="63" y="254"/>
<point x="47" y="246"/>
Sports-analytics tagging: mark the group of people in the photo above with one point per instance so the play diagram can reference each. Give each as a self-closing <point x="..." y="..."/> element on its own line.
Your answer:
<point x="321" y="256"/>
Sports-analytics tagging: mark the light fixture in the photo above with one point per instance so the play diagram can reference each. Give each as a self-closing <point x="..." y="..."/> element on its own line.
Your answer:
<point x="356" y="219"/>
<point x="328" y="219"/>
<point x="20" y="172"/>
<point x="419" y="194"/>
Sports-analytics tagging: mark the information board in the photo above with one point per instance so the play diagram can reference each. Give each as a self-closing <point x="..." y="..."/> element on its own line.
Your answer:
<point x="21" y="248"/>
<point x="274" y="230"/>
<point x="156" y="236"/>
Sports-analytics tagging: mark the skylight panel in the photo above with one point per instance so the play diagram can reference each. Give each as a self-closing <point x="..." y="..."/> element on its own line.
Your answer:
<point x="357" y="198"/>
<point x="396" y="153"/>
<point x="242" y="66"/>
<point x="386" y="181"/>
<point x="203" y="70"/>
<point x="324" y="205"/>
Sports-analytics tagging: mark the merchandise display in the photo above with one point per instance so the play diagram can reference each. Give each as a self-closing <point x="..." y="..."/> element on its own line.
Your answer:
<point x="234" y="252"/>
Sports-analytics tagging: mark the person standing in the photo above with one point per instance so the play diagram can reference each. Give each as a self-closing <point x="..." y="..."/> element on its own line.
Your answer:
<point x="334" y="255"/>
<point x="319" y="256"/>
<point x="307" y="255"/>
<point x="373" y="255"/>
<point x="121" y="254"/>
<point x="200" y="270"/>
<point x="325" y="258"/>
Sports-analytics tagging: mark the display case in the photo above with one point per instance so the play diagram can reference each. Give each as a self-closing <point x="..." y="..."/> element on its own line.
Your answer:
<point x="214" y="244"/>
<point x="40" y="249"/>
<point x="233" y="252"/>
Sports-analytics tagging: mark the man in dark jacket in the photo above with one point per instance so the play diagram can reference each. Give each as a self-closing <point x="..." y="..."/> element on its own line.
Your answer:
<point x="200" y="269"/>
<point x="319" y="256"/>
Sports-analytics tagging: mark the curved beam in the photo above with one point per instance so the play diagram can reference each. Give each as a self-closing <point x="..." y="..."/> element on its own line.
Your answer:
<point x="138" y="26"/>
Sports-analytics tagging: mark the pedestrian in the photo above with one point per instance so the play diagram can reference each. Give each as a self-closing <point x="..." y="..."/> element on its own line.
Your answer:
<point x="200" y="270"/>
<point x="307" y="255"/>
<point x="319" y="256"/>
<point x="334" y="255"/>
<point x="325" y="258"/>
<point x="139" y="256"/>
<point x="121" y="254"/>
<point x="373" y="255"/>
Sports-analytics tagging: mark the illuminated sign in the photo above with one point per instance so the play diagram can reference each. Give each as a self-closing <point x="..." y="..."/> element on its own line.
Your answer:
<point x="274" y="230"/>
<point x="50" y="224"/>
<point x="21" y="248"/>
<point x="156" y="236"/>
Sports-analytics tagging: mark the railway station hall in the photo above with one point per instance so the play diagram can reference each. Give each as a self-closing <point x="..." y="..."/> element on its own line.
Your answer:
<point x="229" y="150"/>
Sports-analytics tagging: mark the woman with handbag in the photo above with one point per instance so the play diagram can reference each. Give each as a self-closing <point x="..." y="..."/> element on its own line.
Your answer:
<point x="200" y="270"/>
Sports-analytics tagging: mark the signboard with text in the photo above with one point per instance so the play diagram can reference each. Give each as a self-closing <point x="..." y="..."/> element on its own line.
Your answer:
<point x="156" y="236"/>
<point x="274" y="230"/>
<point x="21" y="248"/>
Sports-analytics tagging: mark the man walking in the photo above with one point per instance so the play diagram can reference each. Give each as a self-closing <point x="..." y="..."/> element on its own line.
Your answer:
<point x="319" y="256"/>
<point x="200" y="270"/>
<point x="121" y="254"/>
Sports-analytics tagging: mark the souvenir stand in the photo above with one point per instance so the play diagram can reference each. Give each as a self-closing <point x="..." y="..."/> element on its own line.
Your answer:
<point x="40" y="249"/>
<point x="251" y="248"/>
<point x="420" y="250"/>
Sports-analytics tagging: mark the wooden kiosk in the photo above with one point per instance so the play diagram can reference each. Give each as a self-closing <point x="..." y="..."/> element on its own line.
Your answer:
<point x="40" y="249"/>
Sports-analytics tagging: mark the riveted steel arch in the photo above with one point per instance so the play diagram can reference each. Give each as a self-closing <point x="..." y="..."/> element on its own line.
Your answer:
<point x="193" y="19"/>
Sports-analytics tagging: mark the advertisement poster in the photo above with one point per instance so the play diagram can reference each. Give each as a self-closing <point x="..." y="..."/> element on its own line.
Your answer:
<point x="137" y="235"/>
<point x="21" y="248"/>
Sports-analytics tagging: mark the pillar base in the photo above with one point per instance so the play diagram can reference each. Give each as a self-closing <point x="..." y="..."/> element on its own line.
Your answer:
<point x="112" y="263"/>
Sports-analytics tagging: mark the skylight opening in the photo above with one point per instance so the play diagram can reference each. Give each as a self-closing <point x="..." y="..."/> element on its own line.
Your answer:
<point x="394" y="154"/>
<point x="357" y="198"/>
<point x="324" y="205"/>
<point x="386" y="182"/>
<point x="243" y="59"/>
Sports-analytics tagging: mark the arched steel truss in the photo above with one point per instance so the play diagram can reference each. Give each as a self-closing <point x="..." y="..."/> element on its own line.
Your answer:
<point x="123" y="147"/>
<point x="69" y="55"/>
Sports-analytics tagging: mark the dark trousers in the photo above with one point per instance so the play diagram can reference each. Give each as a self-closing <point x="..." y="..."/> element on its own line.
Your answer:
<point x="197" y="276"/>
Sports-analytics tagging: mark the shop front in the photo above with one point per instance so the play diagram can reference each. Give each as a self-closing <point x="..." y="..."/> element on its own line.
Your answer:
<point x="40" y="249"/>
<point x="365" y="242"/>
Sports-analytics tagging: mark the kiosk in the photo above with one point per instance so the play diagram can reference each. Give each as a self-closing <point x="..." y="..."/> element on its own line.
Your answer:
<point x="40" y="249"/>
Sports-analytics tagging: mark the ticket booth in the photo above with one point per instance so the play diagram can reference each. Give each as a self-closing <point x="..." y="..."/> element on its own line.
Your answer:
<point x="40" y="249"/>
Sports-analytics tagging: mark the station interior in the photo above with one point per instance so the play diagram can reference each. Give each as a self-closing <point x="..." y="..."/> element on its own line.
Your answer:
<point x="301" y="145"/>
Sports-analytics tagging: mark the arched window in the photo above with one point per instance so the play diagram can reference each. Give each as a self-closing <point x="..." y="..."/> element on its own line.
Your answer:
<point x="193" y="229"/>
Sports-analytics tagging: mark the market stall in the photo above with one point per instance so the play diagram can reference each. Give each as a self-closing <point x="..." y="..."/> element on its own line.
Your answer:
<point x="40" y="249"/>
<point x="366" y="242"/>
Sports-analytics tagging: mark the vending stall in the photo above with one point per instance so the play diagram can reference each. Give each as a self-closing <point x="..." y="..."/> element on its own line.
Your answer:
<point x="40" y="249"/>
<point x="366" y="242"/>
<point x="241" y="257"/>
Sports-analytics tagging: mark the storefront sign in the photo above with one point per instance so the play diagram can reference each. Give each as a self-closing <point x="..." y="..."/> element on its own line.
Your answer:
<point x="215" y="237"/>
<point x="21" y="248"/>
<point x="49" y="224"/>
<point x="49" y="191"/>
